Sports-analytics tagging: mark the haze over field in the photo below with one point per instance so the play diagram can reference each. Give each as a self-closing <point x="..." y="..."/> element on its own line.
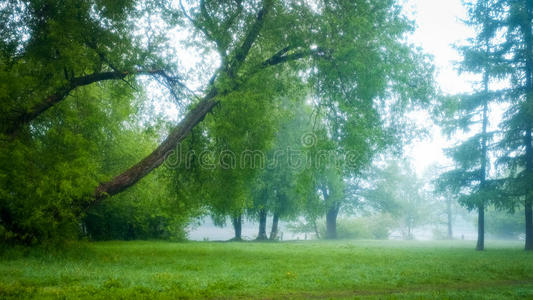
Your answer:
<point x="207" y="149"/>
<point x="439" y="27"/>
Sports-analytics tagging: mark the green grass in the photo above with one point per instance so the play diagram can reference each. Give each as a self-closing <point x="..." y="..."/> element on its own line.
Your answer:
<point x="321" y="270"/>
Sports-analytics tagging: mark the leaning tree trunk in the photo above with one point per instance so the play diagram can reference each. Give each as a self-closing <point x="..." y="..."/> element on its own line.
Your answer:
<point x="261" y="236"/>
<point x="158" y="156"/>
<point x="237" y="226"/>
<point x="331" y="222"/>
<point x="274" y="230"/>
<point x="195" y="116"/>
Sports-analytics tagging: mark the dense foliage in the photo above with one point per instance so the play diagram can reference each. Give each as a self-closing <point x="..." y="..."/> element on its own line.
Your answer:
<point x="74" y="78"/>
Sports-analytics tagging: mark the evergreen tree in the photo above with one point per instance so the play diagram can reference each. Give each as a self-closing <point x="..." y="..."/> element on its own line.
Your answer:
<point x="517" y="145"/>
<point x="467" y="113"/>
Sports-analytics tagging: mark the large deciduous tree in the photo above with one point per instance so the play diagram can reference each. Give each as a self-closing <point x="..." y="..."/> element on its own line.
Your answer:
<point x="352" y="55"/>
<point x="324" y="40"/>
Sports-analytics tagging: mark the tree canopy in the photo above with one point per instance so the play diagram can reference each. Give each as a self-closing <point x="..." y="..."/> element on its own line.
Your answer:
<point x="76" y="80"/>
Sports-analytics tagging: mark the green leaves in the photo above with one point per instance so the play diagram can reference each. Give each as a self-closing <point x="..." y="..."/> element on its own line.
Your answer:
<point x="348" y="58"/>
<point x="397" y="190"/>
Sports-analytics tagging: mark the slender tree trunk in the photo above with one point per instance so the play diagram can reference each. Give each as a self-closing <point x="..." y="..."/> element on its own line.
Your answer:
<point x="262" y="225"/>
<point x="237" y="226"/>
<point x="16" y="123"/>
<point x="528" y="39"/>
<point x="529" y="224"/>
<point x="528" y="207"/>
<point x="274" y="229"/>
<point x="331" y="222"/>
<point x="315" y="227"/>
<point x="480" y="246"/>
<point x="450" y="217"/>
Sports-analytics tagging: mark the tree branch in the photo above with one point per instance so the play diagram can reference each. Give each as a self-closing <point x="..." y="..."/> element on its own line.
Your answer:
<point x="184" y="128"/>
<point x="19" y="121"/>
<point x="13" y="125"/>
<point x="233" y="17"/>
<point x="242" y="52"/>
<point x="158" y="156"/>
<point x="279" y="59"/>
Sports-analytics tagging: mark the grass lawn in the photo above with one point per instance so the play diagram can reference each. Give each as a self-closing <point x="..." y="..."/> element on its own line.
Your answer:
<point x="319" y="270"/>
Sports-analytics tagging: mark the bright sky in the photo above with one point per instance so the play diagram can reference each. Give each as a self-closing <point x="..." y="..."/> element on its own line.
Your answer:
<point x="439" y="26"/>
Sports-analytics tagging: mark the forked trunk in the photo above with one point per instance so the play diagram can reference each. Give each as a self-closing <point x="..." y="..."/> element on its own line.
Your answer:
<point x="195" y="116"/>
